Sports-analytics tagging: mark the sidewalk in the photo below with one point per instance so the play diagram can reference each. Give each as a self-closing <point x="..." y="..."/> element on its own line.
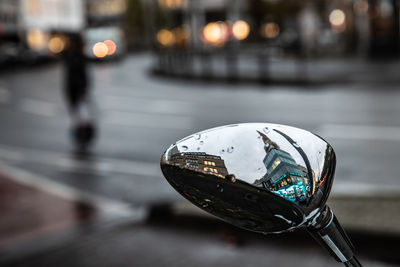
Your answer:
<point x="174" y="234"/>
<point x="252" y="66"/>
<point x="28" y="212"/>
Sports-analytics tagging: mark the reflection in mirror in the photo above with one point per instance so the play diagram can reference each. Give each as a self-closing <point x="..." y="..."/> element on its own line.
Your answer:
<point x="259" y="163"/>
<point x="284" y="176"/>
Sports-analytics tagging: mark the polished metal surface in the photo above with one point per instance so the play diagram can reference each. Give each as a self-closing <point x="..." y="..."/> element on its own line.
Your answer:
<point x="259" y="176"/>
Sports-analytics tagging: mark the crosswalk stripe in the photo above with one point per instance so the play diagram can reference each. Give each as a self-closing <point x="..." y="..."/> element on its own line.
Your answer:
<point x="64" y="161"/>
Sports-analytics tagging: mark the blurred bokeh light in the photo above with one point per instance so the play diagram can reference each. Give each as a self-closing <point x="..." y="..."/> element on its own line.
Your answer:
<point x="100" y="49"/>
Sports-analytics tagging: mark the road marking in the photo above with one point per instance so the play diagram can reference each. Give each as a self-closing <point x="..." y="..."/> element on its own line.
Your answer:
<point x="101" y="165"/>
<point x="360" y="132"/>
<point x="148" y="105"/>
<point x="121" y="117"/>
<point x="105" y="205"/>
<point x="66" y="162"/>
<point x="38" y="107"/>
<point x="147" y="120"/>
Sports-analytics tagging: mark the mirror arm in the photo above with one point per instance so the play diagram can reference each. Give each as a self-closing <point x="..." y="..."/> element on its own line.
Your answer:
<point x="330" y="234"/>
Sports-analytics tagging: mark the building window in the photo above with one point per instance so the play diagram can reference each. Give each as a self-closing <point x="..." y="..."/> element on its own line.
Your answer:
<point x="276" y="163"/>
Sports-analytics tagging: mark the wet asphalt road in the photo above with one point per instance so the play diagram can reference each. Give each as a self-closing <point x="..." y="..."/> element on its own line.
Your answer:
<point x="140" y="115"/>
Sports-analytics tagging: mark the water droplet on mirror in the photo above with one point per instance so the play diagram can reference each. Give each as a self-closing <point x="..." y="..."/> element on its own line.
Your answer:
<point x="201" y="142"/>
<point x="197" y="136"/>
<point x="230" y="149"/>
<point x="266" y="130"/>
<point x="184" y="148"/>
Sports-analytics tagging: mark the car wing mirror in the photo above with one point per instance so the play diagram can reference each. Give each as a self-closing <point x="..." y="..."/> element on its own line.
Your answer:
<point x="262" y="177"/>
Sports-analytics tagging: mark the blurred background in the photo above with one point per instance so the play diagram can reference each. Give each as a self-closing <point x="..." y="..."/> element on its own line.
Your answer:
<point x="158" y="71"/>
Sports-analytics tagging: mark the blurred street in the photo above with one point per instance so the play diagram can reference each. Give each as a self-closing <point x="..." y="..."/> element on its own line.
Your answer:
<point x="139" y="117"/>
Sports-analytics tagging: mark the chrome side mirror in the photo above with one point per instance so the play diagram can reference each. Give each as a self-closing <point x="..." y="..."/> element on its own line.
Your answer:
<point x="266" y="178"/>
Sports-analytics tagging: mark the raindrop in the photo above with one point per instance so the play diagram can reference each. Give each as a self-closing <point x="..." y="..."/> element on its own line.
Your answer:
<point x="221" y="190"/>
<point x="184" y="148"/>
<point x="222" y="150"/>
<point x="259" y="137"/>
<point x="201" y="142"/>
<point x="266" y="130"/>
<point x="197" y="136"/>
<point x="258" y="169"/>
<point x="230" y="149"/>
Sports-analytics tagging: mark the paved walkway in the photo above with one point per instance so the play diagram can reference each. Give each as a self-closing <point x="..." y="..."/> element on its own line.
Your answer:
<point x="28" y="212"/>
<point x="40" y="227"/>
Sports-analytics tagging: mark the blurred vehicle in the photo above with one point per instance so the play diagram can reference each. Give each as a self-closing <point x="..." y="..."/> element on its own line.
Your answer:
<point x="42" y="24"/>
<point x="104" y="43"/>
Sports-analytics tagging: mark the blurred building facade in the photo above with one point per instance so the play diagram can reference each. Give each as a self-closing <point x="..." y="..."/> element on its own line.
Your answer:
<point x="366" y="27"/>
<point x="38" y="25"/>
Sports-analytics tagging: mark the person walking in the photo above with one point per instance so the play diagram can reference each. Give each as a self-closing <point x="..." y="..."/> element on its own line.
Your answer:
<point x="76" y="91"/>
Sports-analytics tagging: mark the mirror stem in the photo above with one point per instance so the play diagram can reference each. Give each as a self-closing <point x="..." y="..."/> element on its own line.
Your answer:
<point x="330" y="234"/>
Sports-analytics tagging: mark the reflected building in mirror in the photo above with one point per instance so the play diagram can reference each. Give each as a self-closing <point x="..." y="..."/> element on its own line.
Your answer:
<point x="284" y="176"/>
<point x="200" y="162"/>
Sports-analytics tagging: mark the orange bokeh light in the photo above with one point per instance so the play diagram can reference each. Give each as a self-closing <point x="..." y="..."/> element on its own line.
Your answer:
<point x="100" y="50"/>
<point x="111" y="46"/>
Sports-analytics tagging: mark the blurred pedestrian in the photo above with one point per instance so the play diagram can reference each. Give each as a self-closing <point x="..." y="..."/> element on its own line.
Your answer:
<point x="76" y="91"/>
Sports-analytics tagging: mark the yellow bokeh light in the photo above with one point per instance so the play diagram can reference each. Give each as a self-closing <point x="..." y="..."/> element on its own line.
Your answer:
<point x="337" y="17"/>
<point x="100" y="50"/>
<point x="172" y="3"/>
<point x="240" y="29"/>
<point x="56" y="44"/>
<point x="36" y="39"/>
<point x="181" y="35"/>
<point x="271" y="30"/>
<point x="165" y="37"/>
<point x="215" y="33"/>
<point x="111" y="47"/>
